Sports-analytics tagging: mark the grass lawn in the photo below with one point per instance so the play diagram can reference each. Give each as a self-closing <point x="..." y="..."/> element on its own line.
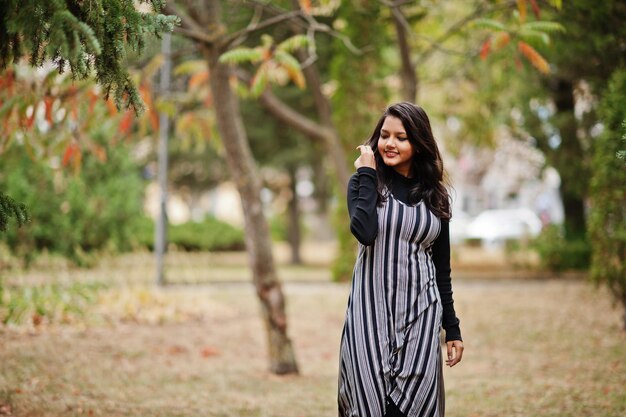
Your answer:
<point x="533" y="348"/>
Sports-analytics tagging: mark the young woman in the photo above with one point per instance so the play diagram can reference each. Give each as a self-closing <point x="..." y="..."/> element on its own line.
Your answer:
<point x="401" y="291"/>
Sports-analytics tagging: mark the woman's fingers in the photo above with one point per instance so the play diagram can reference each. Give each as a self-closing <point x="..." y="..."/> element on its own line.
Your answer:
<point x="455" y="352"/>
<point x="366" y="159"/>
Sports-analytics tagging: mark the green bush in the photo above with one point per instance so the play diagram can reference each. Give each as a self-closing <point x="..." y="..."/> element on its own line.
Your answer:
<point x="74" y="213"/>
<point x="208" y="235"/>
<point x="607" y="218"/>
<point x="558" y="254"/>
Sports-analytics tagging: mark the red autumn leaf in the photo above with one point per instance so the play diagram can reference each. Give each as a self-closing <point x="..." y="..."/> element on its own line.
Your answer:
<point x="152" y="112"/>
<point x="126" y="122"/>
<point x="536" y="10"/>
<point x="37" y="319"/>
<point x="176" y="350"/>
<point x="208" y="351"/>
<point x="198" y="78"/>
<point x="48" y="101"/>
<point x="69" y="154"/>
<point x="30" y="120"/>
<point x="484" y="50"/>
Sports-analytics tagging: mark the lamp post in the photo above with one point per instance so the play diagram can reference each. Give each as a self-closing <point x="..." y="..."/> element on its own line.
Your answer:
<point x="160" y="238"/>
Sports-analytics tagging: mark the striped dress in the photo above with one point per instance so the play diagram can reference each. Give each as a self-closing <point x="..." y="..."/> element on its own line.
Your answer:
<point x="390" y="341"/>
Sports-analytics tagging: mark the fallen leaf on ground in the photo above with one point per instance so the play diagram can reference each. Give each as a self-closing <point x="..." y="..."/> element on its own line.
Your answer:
<point x="208" y="351"/>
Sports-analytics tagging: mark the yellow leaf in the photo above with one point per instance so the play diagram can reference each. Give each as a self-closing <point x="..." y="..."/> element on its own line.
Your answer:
<point x="521" y="7"/>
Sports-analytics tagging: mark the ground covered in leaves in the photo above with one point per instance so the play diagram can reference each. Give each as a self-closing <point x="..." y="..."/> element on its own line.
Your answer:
<point x="550" y="347"/>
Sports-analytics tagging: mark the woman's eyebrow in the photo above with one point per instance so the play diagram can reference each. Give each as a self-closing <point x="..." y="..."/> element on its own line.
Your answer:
<point x="399" y="132"/>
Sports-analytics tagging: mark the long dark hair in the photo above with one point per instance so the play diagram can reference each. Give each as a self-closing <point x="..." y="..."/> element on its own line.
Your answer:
<point x="426" y="166"/>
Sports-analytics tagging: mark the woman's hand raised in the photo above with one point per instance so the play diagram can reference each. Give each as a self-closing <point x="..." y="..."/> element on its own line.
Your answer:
<point x="366" y="159"/>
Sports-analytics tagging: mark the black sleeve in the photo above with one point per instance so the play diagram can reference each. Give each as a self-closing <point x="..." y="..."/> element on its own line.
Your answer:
<point x="362" y="197"/>
<point x="441" y="259"/>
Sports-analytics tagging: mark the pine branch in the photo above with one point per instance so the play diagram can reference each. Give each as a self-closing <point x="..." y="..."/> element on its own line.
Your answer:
<point x="10" y="208"/>
<point x="82" y="37"/>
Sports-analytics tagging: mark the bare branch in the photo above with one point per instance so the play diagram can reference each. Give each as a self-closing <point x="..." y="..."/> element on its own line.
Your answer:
<point x="190" y="28"/>
<point x="308" y="23"/>
<point x="196" y="36"/>
<point x="480" y="10"/>
<point x="236" y="36"/>
<point x="287" y="115"/>
<point x="187" y="21"/>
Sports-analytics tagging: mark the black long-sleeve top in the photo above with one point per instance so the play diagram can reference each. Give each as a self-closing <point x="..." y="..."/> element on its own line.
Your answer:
<point x="362" y="200"/>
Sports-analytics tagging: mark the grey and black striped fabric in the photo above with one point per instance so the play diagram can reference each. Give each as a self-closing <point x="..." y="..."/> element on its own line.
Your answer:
<point x="390" y="340"/>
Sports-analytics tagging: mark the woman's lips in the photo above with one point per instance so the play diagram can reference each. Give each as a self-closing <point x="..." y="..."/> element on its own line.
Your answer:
<point x="391" y="154"/>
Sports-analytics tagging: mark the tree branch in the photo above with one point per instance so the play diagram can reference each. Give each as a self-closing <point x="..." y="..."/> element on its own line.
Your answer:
<point x="190" y="28"/>
<point x="292" y="118"/>
<point x="236" y="36"/>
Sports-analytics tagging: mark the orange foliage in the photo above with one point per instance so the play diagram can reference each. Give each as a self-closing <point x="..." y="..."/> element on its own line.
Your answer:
<point x="306" y="5"/>
<point x="198" y="78"/>
<point x="502" y="39"/>
<point x="30" y="120"/>
<point x="534" y="57"/>
<point x="48" y="101"/>
<point x="126" y="122"/>
<point x="99" y="152"/>
<point x="111" y="106"/>
<point x="484" y="50"/>
<point x="146" y="96"/>
<point x="72" y="152"/>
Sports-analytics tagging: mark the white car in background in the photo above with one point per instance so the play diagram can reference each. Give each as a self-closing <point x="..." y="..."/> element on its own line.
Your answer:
<point x="494" y="227"/>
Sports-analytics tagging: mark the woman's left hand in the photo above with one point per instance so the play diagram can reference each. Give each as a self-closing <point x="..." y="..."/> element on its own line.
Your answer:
<point x="455" y="352"/>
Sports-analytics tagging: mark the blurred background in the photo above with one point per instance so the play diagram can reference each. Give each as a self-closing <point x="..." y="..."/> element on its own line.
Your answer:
<point x="174" y="235"/>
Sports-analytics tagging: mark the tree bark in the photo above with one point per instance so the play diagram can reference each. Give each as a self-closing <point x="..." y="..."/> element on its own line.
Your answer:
<point x="624" y="310"/>
<point x="244" y="173"/>
<point x="294" y="231"/>
<point x="314" y="130"/>
<point x="574" y="176"/>
<point x="407" y="71"/>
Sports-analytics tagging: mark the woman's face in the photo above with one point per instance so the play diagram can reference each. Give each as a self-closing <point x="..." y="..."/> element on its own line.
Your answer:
<point x="394" y="146"/>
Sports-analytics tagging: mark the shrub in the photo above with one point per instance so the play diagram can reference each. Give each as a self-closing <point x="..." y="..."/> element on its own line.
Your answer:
<point x="74" y="213"/>
<point x="558" y="254"/>
<point x="210" y="234"/>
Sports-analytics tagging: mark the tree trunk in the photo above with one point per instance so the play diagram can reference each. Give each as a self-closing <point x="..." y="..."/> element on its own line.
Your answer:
<point x="407" y="71"/>
<point x="245" y="175"/>
<point x="624" y="307"/>
<point x="295" y="237"/>
<point x="569" y="160"/>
